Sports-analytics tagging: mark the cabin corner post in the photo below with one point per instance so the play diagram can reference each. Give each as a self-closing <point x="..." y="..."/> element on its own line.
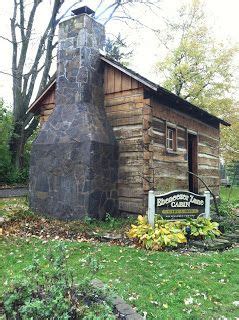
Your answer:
<point x="207" y="204"/>
<point x="147" y="153"/>
<point x="151" y="207"/>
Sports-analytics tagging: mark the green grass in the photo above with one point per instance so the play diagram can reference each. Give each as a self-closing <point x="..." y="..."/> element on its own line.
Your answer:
<point x="11" y="204"/>
<point x="166" y="285"/>
<point x="159" y="283"/>
<point x="234" y="193"/>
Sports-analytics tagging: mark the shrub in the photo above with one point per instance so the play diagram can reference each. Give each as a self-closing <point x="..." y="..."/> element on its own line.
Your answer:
<point x="171" y="234"/>
<point x="227" y="208"/>
<point x="164" y="234"/>
<point x="203" y="228"/>
<point x="48" y="292"/>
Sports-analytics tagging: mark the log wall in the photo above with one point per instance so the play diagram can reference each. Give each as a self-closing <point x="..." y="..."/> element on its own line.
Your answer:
<point x="47" y="105"/>
<point x="170" y="169"/>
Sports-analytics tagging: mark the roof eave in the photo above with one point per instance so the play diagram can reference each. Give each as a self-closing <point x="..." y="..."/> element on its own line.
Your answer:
<point x="33" y="106"/>
<point x="197" y="109"/>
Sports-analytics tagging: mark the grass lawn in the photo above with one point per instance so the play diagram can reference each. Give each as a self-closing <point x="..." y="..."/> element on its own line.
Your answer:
<point x="234" y="193"/>
<point x="166" y="285"/>
<point x="8" y="205"/>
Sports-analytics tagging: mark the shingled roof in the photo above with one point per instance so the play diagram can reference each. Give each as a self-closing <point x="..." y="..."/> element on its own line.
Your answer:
<point x="154" y="89"/>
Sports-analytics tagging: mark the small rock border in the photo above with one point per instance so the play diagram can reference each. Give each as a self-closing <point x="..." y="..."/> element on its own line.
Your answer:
<point x="123" y="310"/>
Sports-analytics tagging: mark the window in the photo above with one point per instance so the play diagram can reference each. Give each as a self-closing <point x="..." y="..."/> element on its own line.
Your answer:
<point x="171" y="144"/>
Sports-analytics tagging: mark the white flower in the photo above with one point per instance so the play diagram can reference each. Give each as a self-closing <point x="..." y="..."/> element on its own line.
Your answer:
<point x="235" y="303"/>
<point x="188" y="301"/>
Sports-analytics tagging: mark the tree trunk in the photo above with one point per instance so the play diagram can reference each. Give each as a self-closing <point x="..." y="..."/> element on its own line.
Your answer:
<point x="16" y="144"/>
<point x="17" y="148"/>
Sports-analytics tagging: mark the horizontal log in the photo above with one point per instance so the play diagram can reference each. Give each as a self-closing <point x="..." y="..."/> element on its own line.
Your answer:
<point x="208" y="172"/>
<point x="208" y="141"/>
<point x="123" y="114"/>
<point x="167" y="184"/>
<point x="126" y="121"/>
<point x="123" y="98"/>
<point x="158" y="139"/>
<point x="207" y="161"/>
<point x="158" y="125"/>
<point x="131" y="190"/>
<point x="169" y="158"/>
<point x="123" y="147"/>
<point x="207" y="166"/>
<point x="131" y="162"/>
<point x="131" y="154"/>
<point x="124" y="107"/>
<point x="207" y="156"/>
<point x="129" y="169"/>
<point x="208" y="150"/>
<point x="130" y="180"/>
<point x="181" y="133"/>
<point x="169" y="169"/>
<point x="122" y="174"/>
<point x="128" y="132"/>
<point x="162" y="154"/>
<point x="130" y="206"/>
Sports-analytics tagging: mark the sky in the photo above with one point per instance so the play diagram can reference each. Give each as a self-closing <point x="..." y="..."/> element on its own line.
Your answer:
<point x="222" y="17"/>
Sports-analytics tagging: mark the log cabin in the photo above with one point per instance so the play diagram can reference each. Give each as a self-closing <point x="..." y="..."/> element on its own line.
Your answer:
<point x="160" y="137"/>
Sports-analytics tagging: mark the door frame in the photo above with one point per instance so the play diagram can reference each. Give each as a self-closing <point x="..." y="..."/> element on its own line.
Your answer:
<point x="192" y="149"/>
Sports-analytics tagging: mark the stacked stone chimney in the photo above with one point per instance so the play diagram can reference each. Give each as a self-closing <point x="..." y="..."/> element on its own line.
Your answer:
<point x="74" y="159"/>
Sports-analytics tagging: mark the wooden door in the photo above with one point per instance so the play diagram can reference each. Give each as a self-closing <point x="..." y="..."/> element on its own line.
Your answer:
<point x="192" y="162"/>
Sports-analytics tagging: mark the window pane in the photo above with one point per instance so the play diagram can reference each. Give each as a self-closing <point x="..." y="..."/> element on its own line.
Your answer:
<point x="171" y="139"/>
<point x="170" y="144"/>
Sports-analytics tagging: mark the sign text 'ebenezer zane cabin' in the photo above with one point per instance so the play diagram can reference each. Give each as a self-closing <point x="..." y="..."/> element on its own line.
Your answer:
<point x="178" y="205"/>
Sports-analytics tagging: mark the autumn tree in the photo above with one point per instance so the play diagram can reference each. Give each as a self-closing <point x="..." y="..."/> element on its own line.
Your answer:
<point x="32" y="55"/>
<point x="198" y="68"/>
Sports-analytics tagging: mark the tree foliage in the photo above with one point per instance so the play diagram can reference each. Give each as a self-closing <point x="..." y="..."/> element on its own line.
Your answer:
<point x="8" y="172"/>
<point x="117" y="49"/>
<point x="200" y="69"/>
<point x="5" y="130"/>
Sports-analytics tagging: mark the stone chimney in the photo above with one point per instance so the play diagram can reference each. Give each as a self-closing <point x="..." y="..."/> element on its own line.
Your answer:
<point x="74" y="159"/>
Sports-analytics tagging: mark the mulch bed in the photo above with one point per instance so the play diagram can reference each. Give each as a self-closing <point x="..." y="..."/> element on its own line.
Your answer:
<point x="47" y="229"/>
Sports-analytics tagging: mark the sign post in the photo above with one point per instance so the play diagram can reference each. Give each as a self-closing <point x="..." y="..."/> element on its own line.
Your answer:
<point x="207" y="204"/>
<point x="178" y="205"/>
<point x="151" y="207"/>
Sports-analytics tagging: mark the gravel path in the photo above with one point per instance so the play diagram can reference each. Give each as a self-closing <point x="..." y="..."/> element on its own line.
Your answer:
<point x="13" y="192"/>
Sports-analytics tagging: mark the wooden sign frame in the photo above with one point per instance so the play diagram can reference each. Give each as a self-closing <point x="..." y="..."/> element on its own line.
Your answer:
<point x="178" y="204"/>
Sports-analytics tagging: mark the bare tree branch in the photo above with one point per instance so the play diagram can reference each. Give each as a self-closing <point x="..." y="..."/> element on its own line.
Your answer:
<point x="4" y="38"/>
<point x="65" y="13"/>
